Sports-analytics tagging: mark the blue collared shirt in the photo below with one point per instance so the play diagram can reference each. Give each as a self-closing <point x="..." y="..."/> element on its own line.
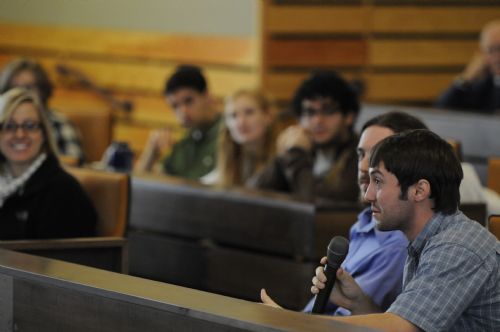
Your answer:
<point x="452" y="277"/>
<point x="375" y="260"/>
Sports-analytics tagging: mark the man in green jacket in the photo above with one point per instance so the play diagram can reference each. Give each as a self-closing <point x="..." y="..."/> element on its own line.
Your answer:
<point x="194" y="155"/>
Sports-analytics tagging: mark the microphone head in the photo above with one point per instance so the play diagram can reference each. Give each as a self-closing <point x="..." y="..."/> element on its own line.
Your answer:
<point x="337" y="250"/>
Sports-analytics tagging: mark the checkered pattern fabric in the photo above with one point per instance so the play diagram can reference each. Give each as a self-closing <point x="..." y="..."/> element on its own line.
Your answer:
<point x="66" y="135"/>
<point x="452" y="277"/>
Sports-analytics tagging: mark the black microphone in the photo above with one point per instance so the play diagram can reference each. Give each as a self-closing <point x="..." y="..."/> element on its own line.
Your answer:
<point x="336" y="253"/>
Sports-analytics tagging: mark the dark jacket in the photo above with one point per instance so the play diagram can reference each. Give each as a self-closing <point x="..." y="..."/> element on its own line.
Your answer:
<point x="293" y="173"/>
<point x="51" y="204"/>
<point x="481" y="96"/>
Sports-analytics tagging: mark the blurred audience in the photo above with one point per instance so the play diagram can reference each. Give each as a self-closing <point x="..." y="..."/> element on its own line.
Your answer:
<point x="30" y="74"/>
<point x="246" y="140"/>
<point x="38" y="199"/>
<point x="194" y="155"/>
<point x="478" y="87"/>
<point x="375" y="259"/>
<point x="317" y="158"/>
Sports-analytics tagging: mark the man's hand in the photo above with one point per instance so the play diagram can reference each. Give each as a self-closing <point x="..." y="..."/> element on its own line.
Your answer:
<point x="159" y="142"/>
<point x="267" y="300"/>
<point x="346" y="292"/>
<point x="476" y="68"/>
<point x="293" y="136"/>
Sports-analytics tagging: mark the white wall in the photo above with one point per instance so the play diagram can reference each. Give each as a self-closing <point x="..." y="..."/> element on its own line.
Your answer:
<point x="206" y="17"/>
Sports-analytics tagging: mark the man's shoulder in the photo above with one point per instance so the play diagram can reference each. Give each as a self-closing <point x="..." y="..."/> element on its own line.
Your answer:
<point x="459" y="230"/>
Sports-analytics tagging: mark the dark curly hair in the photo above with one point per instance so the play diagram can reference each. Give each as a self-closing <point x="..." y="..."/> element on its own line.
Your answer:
<point x="421" y="154"/>
<point x="186" y="76"/>
<point x="326" y="84"/>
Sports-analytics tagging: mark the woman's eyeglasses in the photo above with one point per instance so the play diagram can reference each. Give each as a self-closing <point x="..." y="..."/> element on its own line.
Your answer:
<point x="28" y="127"/>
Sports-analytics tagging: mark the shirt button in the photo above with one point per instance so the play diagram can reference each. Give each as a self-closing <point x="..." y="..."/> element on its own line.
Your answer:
<point x="208" y="161"/>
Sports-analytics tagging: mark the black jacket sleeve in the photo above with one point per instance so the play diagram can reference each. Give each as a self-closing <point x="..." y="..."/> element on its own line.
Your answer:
<point x="65" y="210"/>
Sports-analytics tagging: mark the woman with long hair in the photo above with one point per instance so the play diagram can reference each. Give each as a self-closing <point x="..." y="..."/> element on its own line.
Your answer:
<point x="246" y="140"/>
<point x="38" y="199"/>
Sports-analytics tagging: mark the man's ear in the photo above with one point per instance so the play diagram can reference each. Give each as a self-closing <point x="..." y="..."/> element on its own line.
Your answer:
<point x="421" y="190"/>
<point x="349" y="119"/>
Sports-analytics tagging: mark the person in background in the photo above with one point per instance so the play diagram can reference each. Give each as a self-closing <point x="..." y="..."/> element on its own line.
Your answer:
<point x="30" y="74"/>
<point x="375" y="259"/>
<point x="317" y="158"/>
<point x="246" y="140"/>
<point x="38" y="199"/>
<point x="194" y="155"/>
<point x="478" y="87"/>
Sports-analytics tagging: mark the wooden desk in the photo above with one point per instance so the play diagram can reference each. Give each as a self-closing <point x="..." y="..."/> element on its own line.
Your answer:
<point x="40" y="294"/>
<point x="108" y="253"/>
<point x="219" y="240"/>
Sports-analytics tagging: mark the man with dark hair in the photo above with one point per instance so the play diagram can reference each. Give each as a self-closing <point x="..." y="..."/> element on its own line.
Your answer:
<point x="478" y="87"/>
<point x="375" y="258"/>
<point x="317" y="158"/>
<point x="452" y="273"/>
<point x="194" y="156"/>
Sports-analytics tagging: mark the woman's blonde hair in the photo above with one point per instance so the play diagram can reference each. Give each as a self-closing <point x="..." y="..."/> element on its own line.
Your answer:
<point x="10" y="101"/>
<point x="230" y="155"/>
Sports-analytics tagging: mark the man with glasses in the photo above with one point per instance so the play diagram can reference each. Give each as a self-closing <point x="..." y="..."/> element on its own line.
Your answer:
<point x="194" y="156"/>
<point x="478" y="87"/>
<point x="317" y="157"/>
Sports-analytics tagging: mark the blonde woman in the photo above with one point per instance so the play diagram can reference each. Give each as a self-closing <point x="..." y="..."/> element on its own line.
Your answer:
<point x="246" y="140"/>
<point x="38" y="199"/>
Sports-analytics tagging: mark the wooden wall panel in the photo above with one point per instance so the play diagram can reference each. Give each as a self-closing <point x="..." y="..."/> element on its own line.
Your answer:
<point x="141" y="77"/>
<point x="431" y="19"/>
<point x="65" y="100"/>
<point x="317" y="19"/>
<point x="313" y="52"/>
<point x="108" y="44"/>
<point x="381" y="87"/>
<point x="405" y="87"/>
<point x="411" y="50"/>
<point x="418" y="53"/>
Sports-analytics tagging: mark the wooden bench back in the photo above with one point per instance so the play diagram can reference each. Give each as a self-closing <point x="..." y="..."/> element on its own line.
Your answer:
<point x="110" y="194"/>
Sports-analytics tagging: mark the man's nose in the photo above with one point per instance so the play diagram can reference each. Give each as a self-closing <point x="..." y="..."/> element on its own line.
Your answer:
<point x="363" y="164"/>
<point x="316" y="118"/>
<point x="369" y="194"/>
<point x="182" y="108"/>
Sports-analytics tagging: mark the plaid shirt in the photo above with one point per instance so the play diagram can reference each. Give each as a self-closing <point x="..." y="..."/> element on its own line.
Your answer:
<point x="452" y="277"/>
<point x="66" y="135"/>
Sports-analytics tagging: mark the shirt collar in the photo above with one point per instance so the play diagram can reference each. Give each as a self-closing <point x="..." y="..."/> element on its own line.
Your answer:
<point x="365" y="223"/>
<point x="208" y="130"/>
<point x="431" y="228"/>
